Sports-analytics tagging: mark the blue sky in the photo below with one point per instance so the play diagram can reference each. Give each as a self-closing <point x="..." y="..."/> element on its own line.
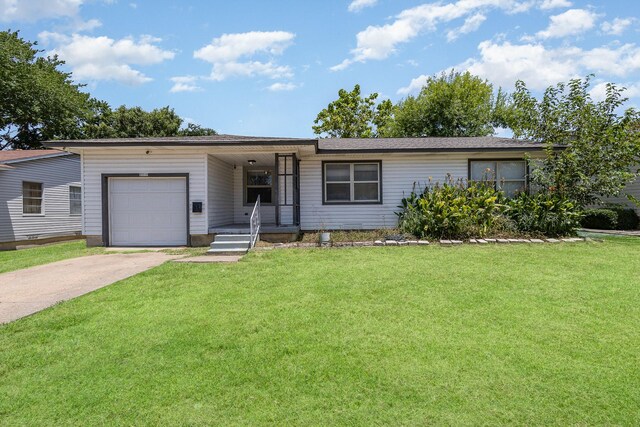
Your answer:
<point x="268" y="67"/>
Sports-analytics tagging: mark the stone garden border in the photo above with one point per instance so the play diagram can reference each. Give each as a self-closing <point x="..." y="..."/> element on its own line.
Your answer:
<point x="442" y="242"/>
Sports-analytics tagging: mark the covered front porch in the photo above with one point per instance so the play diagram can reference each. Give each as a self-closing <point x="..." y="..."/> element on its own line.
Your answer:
<point x="264" y="228"/>
<point x="237" y="180"/>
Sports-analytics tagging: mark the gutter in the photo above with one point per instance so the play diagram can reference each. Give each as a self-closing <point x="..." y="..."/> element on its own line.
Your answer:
<point x="80" y="144"/>
<point x="425" y="150"/>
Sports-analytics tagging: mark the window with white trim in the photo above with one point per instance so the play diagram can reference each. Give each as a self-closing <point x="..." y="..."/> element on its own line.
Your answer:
<point x="259" y="183"/>
<point x="357" y="182"/>
<point x="75" y="200"/>
<point x="510" y="176"/>
<point x="31" y="198"/>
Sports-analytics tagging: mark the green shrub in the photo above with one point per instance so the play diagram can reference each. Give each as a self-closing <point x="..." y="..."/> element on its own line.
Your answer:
<point x="544" y="212"/>
<point x="613" y="217"/>
<point x="600" y="219"/>
<point x="450" y="210"/>
<point x="627" y="217"/>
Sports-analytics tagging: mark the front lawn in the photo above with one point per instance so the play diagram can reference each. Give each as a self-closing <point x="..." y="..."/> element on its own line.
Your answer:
<point x="523" y="334"/>
<point x="23" y="258"/>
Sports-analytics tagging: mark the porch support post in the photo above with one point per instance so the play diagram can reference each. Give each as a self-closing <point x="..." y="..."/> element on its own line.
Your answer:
<point x="277" y="188"/>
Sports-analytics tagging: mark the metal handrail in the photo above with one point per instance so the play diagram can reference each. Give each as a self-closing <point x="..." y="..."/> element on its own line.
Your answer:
<point x="255" y="222"/>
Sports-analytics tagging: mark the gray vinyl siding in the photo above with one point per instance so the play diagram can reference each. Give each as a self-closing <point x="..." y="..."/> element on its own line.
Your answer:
<point x="632" y="189"/>
<point x="220" y="187"/>
<point x="398" y="175"/>
<point x="136" y="161"/>
<point x="56" y="175"/>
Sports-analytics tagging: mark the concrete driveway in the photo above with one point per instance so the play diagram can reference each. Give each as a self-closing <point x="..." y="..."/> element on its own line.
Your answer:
<point x="27" y="291"/>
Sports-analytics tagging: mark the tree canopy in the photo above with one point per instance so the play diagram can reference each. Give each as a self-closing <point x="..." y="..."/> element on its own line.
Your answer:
<point x="453" y="104"/>
<point x="123" y="122"/>
<point x="37" y="101"/>
<point x="592" y="148"/>
<point x="353" y="116"/>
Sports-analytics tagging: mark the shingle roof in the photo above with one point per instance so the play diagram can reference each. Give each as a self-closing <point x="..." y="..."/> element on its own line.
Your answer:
<point x="13" y="155"/>
<point x="222" y="139"/>
<point x="324" y="145"/>
<point x="338" y="145"/>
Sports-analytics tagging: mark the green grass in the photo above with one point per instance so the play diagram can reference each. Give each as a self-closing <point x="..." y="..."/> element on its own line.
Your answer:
<point x="523" y="334"/>
<point x="23" y="258"/>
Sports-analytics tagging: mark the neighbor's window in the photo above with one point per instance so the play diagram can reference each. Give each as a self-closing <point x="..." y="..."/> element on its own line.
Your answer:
<point x="75" y="200"/>
<point x="510" y="176"/>
<point x="31" y="197"/>
<point x="352" y="182"/>
<point x="259" y="183"/>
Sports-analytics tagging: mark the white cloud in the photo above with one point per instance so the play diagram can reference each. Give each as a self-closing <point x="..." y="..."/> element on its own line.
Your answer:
<point x="224" y="70"/>
<point x="226" y="51"/>
<point x="553" y="4"/>
<point x="415" y="85"/>
<point x="569" y="23"/>
<point x="89" y="25"/>
<point x="342" y="66"/>
<point x="470" y="25"/>
<point x="378" y="42"/>
<point x="539" y="66"/>
<point x="279" y="87"/>
<point x="599" y="91"/>
<point x="34" y="10"/>
<point x="184" y="84"/>
<point x="617" y="26"/>
<point x="620" y="61"/>
<point x="103" y="58"/>
<point x="358" y="5"/>
<point x="230" y="47"/>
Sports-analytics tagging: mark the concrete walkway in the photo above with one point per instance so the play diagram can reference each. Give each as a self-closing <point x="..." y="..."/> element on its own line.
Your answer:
<point x="206" y="259"/>
<point x="634" y="233"/>
<point x="27" y="291"/>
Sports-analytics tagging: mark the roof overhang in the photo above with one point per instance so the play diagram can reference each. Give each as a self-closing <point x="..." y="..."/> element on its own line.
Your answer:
<point x="156" y="143"/>
<point x="271" y="143"/>
<point x="430" y="150"/>
<point x="28" y="159"/>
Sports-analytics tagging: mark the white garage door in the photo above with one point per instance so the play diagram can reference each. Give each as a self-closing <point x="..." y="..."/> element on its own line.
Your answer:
<point x="148" y="211"/>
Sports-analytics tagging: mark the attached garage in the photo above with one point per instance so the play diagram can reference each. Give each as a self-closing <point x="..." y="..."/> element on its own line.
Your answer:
<point x="148" y="211"/>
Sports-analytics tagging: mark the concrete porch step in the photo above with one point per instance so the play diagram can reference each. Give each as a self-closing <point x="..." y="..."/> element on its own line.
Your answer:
<point x="230" y="244"/>
<point x="223" y="251"/>
<point x="233" y="238"/>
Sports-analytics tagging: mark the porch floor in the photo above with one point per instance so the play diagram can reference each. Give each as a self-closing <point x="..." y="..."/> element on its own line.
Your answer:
<point x="245" y="229"/>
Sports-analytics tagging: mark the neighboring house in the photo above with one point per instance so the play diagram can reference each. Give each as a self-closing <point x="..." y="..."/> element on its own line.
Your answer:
<point x="40" y="196"/>
<point x="183" y="191"/>
<point x="632" y="189"/>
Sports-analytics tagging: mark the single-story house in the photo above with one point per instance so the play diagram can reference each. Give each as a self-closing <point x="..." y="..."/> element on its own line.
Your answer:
<point x="40" y="197"/>
<point x="632" y="189"/>
<point x="185" y="190"/>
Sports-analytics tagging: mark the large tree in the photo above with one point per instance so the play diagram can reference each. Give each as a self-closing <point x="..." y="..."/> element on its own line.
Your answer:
<point x="131" y="122"/>
<point x="353" y="116"/>
<point x="134" y="122"/>
<point x="592" y="148"/>
<point x="453" y="104"/>
<point x="193" y="129"/>
<point x="37" y="100"/>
